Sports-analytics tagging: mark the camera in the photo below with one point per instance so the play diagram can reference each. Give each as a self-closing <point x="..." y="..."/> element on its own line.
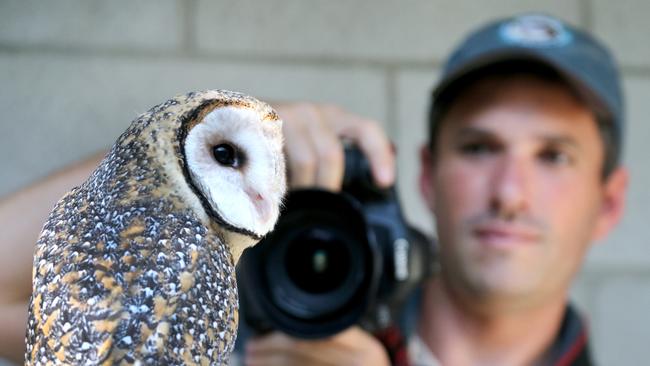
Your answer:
<point x="334" y="260"/>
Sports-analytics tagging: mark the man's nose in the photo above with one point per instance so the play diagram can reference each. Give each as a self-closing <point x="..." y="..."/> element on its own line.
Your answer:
<point x="510" y="187"/>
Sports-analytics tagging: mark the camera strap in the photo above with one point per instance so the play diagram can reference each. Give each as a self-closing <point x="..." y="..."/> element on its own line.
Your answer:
<point x="395" y="344"/>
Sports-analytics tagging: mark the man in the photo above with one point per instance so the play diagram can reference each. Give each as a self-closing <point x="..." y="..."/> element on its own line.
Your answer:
<point x="521" y="172"/>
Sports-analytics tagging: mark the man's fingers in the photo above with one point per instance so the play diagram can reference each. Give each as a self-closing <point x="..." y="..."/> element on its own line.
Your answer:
<point x="375" y="146"/>
<point x="272" y="340"/>
<point x="353" y="346"/>
<point x="315" y="152"/>
<point x="279" y="349"/>
<point x="301" y="158"/>
<point x="329" y="154"/>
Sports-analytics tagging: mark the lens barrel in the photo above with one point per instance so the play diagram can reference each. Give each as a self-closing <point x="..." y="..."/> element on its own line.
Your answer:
<point x="316" y="273"/>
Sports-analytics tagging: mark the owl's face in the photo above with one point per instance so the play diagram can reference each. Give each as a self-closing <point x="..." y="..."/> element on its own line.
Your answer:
<point x="235" y="159"/>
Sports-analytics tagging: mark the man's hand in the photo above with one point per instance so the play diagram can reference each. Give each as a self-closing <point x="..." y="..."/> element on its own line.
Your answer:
<point x="353" y="346"/>
<point x="314" y="150"/>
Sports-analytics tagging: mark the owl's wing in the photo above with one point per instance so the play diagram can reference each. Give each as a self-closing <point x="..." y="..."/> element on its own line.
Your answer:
<point x="146" y="283"/>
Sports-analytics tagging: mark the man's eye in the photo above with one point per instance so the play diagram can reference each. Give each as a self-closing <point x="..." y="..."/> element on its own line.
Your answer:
<point x="476" y="148"/>
<point x="556" y="157"/>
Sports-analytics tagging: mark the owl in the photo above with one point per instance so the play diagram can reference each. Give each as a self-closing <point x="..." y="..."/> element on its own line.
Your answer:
<point x="137" y="264"/>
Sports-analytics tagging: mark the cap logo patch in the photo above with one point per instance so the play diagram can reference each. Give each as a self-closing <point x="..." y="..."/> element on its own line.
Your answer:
<point x="535" y="31"/>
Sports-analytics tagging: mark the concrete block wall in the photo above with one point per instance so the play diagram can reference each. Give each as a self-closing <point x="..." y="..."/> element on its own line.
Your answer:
<point x="74" y="73"/>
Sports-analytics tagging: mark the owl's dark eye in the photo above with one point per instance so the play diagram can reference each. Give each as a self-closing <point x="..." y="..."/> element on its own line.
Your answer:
<point x="227" y="155"/>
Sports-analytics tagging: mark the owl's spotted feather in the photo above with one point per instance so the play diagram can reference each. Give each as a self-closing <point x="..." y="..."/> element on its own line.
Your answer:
<point x="136" y="265"/>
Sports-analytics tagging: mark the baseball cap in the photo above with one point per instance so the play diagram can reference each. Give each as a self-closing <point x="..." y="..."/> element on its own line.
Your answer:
<point x="583" y="61"/>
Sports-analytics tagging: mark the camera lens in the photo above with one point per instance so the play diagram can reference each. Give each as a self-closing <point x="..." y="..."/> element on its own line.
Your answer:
<point x="317" y="261"/>
<point x="316" y="273"/>
<point x="313" y="272"/>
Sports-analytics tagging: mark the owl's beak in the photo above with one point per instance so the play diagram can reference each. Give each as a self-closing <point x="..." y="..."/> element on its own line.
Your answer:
<point x="262" y="206"/>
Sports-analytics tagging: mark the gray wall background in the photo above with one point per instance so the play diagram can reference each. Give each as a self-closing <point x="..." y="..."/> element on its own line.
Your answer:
<point x="74" y="73"/>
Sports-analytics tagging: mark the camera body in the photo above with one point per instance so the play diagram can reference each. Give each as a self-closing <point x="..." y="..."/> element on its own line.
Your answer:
<point x="334" y="260"/>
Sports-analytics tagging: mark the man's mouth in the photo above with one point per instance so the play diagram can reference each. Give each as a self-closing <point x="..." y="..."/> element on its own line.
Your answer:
<point x="506" y="235"/>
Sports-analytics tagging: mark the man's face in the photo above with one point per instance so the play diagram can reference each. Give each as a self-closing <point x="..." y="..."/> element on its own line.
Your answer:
<point x="516" y="187"/>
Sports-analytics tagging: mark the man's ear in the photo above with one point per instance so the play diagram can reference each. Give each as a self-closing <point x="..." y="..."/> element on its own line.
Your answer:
<point x="426" y="175"/>
<point x="613" y="203"/>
